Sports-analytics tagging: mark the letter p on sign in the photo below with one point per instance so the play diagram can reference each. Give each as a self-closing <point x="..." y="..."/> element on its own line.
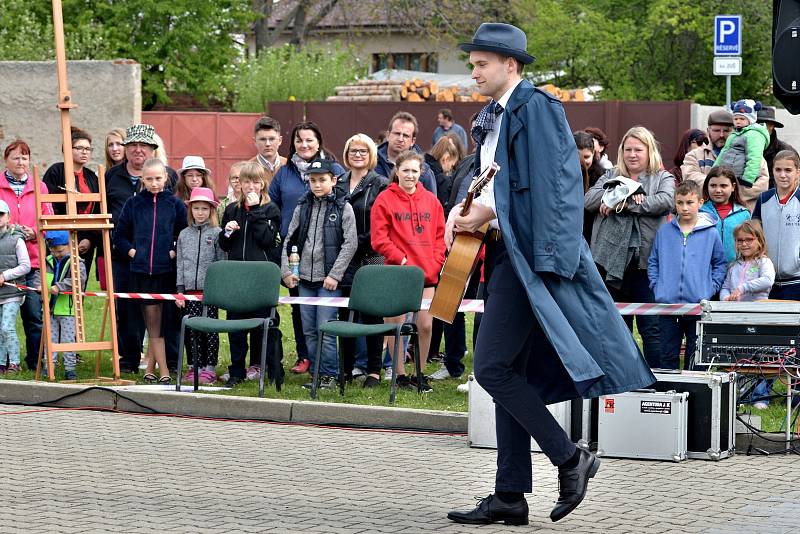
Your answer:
<point x="728" y="35"/>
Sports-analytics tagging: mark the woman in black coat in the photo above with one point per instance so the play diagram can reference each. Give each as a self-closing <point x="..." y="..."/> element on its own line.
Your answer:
<point x="362" y="185"/>
<point x="85" y="182"/>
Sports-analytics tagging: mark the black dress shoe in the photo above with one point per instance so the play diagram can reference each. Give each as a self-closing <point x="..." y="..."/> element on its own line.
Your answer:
<point x="492" y="510"/>
<point x="572" y="484"/>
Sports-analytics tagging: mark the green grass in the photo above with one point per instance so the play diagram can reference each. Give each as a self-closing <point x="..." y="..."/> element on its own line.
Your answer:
<point x="444" y="396"/>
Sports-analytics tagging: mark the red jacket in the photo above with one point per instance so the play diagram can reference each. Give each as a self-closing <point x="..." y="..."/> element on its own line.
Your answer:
<point x="411" y="227"/>
<point x="23" y="210"/>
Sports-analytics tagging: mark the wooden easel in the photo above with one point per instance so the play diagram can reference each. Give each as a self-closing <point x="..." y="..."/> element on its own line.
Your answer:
<point x="73" y="222"/>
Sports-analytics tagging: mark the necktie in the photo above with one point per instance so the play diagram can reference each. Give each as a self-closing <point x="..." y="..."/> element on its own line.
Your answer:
<point x="484" y="123"/>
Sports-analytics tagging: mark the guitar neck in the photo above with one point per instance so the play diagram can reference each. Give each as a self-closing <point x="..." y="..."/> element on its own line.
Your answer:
<point x="467" y="203"/>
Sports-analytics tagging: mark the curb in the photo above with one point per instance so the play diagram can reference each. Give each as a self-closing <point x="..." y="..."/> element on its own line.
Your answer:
<point x="232" y="407"/>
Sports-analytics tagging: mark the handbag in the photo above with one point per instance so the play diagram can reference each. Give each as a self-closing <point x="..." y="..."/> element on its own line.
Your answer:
<point x="373" y="259"/>
<point x="618" y="190"/>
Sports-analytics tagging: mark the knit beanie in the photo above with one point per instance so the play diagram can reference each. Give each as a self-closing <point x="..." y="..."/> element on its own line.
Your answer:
<point x="746" y="108"/>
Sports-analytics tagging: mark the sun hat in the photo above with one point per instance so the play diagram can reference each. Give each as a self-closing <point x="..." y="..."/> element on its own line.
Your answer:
<point x="203" y="194"/>
<point x="140" y="133"/>
<point x="503" y="39"/>
<point x="194" y="162"/>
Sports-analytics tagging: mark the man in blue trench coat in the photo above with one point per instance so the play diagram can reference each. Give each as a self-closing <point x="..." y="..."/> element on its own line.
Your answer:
<point x="550" y="331"/>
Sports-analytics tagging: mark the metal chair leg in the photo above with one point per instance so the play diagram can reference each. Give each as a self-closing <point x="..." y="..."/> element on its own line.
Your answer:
<point x="417" y="358"/>
<point x="195" y="367"/>
<point x="276" y="361"/>
<point x="341" y="370"/>
<point x="263" y="371"/>
<point x="315" y="375"/>
<point x="181" y="350"/>
<point x="395" y="364"/>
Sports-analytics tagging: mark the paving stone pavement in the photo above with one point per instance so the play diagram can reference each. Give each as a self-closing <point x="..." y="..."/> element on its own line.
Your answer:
<point x="81" y="471"/>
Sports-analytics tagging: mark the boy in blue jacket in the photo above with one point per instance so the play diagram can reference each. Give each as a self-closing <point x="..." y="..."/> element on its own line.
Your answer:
<point x="686" y="265"/>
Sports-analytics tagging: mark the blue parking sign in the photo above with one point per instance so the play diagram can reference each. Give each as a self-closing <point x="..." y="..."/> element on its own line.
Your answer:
<point x="728" y="35"/>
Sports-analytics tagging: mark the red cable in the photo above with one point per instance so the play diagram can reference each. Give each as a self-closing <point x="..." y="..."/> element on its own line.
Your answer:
<point x="220" y="419"/>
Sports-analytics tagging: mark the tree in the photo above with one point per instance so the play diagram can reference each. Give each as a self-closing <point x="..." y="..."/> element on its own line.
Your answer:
<point x="646" y="49"/>
<point x="286" y="72"/>
<point x="182" y="45"/>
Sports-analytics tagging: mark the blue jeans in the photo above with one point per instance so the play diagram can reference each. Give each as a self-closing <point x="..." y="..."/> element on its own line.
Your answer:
<point x="9" y="342"/>
<point x="31" y="312"/>
<point x="313" y="317"/>
<point x="636" y="288"/>
<point x="673" y="329"/>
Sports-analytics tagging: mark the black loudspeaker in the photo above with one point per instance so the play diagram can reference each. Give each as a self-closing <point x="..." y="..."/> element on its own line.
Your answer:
<point x="786" y="53"/>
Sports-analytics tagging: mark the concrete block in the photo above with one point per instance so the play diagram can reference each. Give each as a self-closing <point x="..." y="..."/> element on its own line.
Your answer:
<point x="378" y="416"/>
<point x="205" y="405"/>
<point x="107" y="94"/>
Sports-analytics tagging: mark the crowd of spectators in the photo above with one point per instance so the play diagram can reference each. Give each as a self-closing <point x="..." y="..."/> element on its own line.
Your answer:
<point x="718" y="221"/>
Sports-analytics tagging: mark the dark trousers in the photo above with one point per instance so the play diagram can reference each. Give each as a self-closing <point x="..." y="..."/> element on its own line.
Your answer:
<point x="673" y="330"/>
<point x="172" y="334"/>
<point x="455" y="335"/>
<point x="297" y="326"/>
<point x="130" y="324"/>
<point x="348" y="344"/>
<point x="238" y="344"/>
<point x="636" y="288"/>
<point x="508" y="352"/>
<point x="31" y="312"/>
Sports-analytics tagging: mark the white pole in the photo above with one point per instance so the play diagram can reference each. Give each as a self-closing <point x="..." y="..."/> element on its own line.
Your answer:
<point x="727" y="92"/>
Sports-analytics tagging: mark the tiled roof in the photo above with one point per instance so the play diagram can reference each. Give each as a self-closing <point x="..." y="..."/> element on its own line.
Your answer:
<point x="368" y="14"/>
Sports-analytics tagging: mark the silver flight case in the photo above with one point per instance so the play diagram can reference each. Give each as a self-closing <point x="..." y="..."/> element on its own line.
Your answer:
<point x="481" y="430"/>
<point x="711" y="433"/>
<point x="643" y="425"/>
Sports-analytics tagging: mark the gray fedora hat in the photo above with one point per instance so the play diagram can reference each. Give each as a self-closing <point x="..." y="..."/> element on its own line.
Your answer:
<point x="503" y="39"/>
<point x="767" y="114"/>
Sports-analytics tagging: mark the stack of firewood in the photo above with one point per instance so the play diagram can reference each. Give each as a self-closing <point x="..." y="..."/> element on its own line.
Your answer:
<point x="565" y="95"/>
<point x="408" y="90"/>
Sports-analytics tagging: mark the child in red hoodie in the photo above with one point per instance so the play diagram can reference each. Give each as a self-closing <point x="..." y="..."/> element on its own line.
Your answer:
<point x="407" y="224"/>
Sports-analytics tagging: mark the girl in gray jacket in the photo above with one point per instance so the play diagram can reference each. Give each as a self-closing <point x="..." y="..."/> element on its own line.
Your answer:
<point x="198" y="247"/>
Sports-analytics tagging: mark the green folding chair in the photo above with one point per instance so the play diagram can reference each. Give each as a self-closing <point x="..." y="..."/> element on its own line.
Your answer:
<point x="241" y="287"/>
<point x="380" y="291"/>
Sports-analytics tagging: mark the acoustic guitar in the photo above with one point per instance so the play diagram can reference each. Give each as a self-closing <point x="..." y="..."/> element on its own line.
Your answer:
<point x="463" y="257"/>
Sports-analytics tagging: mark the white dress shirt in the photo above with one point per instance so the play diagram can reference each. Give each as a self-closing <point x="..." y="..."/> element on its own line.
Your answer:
<point x="488" y="149"/>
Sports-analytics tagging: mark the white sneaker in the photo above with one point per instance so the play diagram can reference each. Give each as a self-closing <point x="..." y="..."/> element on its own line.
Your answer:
<point x="387" y="374"/>
<point x="463" y="388"/>
<point x="441" y="374"/>
<point x="760" y="405"/>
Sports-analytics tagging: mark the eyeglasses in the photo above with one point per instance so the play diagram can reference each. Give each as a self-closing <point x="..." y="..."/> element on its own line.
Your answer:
<point x="87" y="149"/>
<point x="743" y="240"/>
<point x="358" y="151"/>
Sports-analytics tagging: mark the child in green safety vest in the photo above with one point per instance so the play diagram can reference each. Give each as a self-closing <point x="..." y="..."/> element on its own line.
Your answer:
<point x="59" y="282"/>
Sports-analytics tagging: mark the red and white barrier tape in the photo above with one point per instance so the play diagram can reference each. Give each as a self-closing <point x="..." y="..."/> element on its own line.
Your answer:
<point x="475" y="306"/>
